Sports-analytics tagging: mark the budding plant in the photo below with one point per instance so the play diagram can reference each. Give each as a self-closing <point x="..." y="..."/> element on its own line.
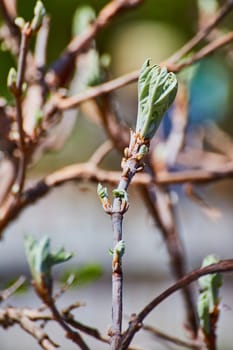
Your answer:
<point x="157" y="89"/>
<point x="42" y="96"/>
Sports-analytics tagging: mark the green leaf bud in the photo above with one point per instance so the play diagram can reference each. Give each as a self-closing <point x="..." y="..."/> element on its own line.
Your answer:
<point x="20" y="22"/>
<point x="122" y="194"/>
<point x="39" y="13"/>
<point x="102" y="191"/>
<point x="157" y="89"/>
<point x="119" y="248"/>
<point x="143" y="150"/>
<point x="11" y="80"/>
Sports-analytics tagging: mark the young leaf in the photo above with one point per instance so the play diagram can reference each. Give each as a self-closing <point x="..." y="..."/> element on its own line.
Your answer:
<point x="41" y="259"/>
<point x="156" y="91"/>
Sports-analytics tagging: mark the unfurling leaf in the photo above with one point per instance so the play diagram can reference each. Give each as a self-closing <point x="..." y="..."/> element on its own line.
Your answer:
<point x="156" y="91"/>
<point x="41" y="259"/>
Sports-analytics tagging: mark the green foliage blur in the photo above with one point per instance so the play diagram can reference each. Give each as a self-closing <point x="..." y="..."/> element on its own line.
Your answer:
<point x="82" y="276"/>
<point x="61" y="13"/>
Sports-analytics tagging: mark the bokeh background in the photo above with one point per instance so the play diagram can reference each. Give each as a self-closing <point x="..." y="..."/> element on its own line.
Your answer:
<point x="72" y="216"/>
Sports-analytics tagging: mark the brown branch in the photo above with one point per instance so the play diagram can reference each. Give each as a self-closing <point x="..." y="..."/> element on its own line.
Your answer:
<point x="159" y="202"/>
<point x="136" y="322"/>
<point x="62" y="69"/>
<point x="5" y="294"/>
<point x="11" y="316"/>
<point x="133" y="76"/>
<point x="88" y="172"/>
<point x="26" y="318"/>
<point x="26" y="34"/>
<point x="93" y="332"/>
<point x="70" y="334"/>
<point x="168" y="338"/>
<point x="205" y="51"/>
<point x="74" y="101"/>
<point x="101" y="152"/>
<point x="203" y="32"/>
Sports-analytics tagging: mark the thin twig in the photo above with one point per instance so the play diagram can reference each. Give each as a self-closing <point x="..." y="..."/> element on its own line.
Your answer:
<point x="74" y="101"/>
<point x="74" y="336"/>
<point x="131" y="164"/>
<point x="171" y="339"/>
<point x="26" y="34"/>
<point x="86" y="171"/>
<point x="11" y="316"/>
<point x="203" y="32"/>
<point x="159" y="202"/>
<point x="136" y="323"/>
<point x="93" y="332"/>
<point x="101" y="152"/>
<point x="12" y="289"/>
<point x="61" y="70"/>
<point x="205" y="51"/>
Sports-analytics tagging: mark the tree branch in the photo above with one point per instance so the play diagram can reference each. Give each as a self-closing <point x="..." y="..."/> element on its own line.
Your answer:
<point x="136" y="323"/>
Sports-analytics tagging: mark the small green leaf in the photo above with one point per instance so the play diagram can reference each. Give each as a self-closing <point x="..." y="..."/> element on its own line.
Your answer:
<point x="143" y="150"/>
<point x="157" y="89"/>
<point x="41" y="260"/>
<point x="120" y="194"/>
<point x="111" y="251"/>
<point x="102" y="191"/>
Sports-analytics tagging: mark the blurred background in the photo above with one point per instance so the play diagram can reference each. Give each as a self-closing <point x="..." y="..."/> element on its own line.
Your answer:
<point x="72" y="216"/>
